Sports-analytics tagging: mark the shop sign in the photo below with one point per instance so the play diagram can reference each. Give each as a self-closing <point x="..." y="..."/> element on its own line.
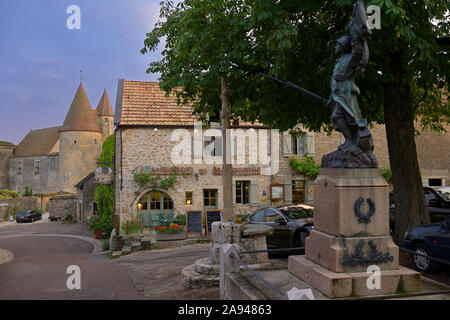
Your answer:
<point x="248" y="171"/>
<point x="276" y="192"/>
<point x="103" y="175"/>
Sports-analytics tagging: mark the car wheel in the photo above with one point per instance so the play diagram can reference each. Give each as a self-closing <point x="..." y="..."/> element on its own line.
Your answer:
<point x="421" y="260"/>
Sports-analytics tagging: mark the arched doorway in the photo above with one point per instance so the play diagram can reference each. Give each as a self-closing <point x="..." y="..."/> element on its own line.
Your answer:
<point x="152" y="205"/>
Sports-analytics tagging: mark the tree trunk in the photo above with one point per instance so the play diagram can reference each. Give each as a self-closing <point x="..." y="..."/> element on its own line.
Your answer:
<point x="227" y="178"/>
<point x="410" y="205"/>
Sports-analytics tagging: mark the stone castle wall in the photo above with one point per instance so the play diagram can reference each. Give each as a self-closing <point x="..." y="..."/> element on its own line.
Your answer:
<point x="43" y="181"/>
<point x="106" y="124"/>
<point x="79" y="154"/>
<point x="6" y="153"/>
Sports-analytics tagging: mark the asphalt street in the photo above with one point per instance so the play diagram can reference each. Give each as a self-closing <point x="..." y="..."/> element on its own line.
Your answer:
<point x="44" y="250"/>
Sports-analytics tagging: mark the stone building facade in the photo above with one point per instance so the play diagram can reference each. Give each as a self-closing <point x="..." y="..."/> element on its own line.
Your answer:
<point x="6" y="153"/>
<point x="53" y="160"/>
<point x="146" y="120"/>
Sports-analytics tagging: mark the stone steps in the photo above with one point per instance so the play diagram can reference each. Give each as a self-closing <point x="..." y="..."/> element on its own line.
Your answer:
<point x="192" y="279"/>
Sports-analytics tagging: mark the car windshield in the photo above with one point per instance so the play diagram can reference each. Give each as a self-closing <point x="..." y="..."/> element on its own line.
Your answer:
<point x="297" y="212"/>
<point x="22" y="213"/>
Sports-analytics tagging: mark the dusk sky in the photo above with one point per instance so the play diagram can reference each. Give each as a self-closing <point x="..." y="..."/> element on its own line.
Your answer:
<point x="41" y="59"/>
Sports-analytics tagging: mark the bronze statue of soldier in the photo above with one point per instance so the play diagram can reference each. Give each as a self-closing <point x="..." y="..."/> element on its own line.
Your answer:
<point x="357" y="150"/>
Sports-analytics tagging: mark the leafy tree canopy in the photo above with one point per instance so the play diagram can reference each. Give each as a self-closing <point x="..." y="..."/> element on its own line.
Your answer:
<point x="294" y="40"/>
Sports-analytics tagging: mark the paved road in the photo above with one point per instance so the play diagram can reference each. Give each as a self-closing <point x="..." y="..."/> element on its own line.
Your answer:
<point x="43" y="250"/>
<point x="157" y="273"/>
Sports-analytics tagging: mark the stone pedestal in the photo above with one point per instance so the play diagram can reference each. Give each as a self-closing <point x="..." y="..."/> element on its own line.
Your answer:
<point x="205" y="272"/>
<point x="351" y="233"/>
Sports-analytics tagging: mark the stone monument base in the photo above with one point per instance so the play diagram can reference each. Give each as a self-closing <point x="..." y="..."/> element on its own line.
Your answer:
<point x="342" y="285"/>
<point x="350" y="241"/>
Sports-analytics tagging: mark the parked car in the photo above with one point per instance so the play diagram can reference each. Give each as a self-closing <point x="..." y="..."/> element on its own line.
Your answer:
<point x="292" y="224"/>
<point x="444" y="191"/>
<point x="429" y="241"/>
<point x="28" y="216"/>
<point x="438" y="206"/>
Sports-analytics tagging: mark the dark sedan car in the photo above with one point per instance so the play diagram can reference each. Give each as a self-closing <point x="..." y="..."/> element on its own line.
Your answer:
<point x="429" y="241"/>
<point x="28" y="216"/>
<point x="291" y="224"/>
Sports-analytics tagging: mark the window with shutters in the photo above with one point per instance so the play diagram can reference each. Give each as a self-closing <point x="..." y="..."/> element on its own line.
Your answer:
<point x="242" y="192"/>
<point x="19" y="167"/>
<point x="299" y="144"/>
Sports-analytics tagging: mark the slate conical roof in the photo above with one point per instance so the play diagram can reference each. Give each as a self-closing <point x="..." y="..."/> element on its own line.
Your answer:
<point x="80" y="116"/>
<point x="104" y="106"/>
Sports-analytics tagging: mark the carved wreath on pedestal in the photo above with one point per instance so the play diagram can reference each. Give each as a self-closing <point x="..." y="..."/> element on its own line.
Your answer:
<point x="364" y="217"/>
<point x="359" y="259"/>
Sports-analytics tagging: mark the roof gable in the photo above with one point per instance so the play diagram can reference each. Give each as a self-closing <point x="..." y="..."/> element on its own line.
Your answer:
<point x="144" y="103"/>
<point x="80" y="116"/>
<point x="104" y="106"/>
<point x="38" y="143"/>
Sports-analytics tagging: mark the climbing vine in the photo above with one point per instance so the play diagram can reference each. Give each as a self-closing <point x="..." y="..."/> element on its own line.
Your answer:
<point x="155" y="181"/>
<point x="307" y="167"/>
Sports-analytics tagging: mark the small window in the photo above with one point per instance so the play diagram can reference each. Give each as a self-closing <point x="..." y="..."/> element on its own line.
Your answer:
<point x="435" y="182"/>
<point x="188" y="198"/>
<point x="19" y="167"/>
<point x="242" y="192"/>
<point x="298" y="145"/>
<point x="210" y="197"/>
<point x="74" y="141"/>
<point x="215" y="143"/>
<point x="37" y="166"/>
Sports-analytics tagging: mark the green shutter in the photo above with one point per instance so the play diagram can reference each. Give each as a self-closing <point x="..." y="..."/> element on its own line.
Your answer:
<point x="288" y="191"/>
<point x="287" y="143"/>
<point x="311" y="144"/>
<point x="254" y="192"/>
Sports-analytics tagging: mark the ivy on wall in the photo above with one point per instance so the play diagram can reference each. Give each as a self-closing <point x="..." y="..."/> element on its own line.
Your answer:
<point x="307" y="166"/>
<point x="155" y="181"/>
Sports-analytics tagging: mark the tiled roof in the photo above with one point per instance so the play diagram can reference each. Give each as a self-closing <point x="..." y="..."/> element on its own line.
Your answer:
<point x="104" y="106"/>
<point x="38" y="142"/>
<point x="80" y="116"/>
<point x="145" y="103"/>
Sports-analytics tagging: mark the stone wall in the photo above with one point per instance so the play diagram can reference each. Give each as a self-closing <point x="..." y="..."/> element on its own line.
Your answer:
<point x="145" y="146"/>
<point x="63" y="205"/>
<point x="78" y="156"/>
<point x="22" y="203"/>
<point x="6" y="152"/>
<point x="43" y="181"/>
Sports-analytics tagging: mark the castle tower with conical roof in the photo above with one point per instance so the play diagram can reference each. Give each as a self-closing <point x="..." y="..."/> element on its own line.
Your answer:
<point x="105" y="116"/>
<point x="80" y="142"/>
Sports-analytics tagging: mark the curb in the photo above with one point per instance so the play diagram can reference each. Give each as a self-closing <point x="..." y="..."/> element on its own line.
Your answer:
<point x="6" y="256"/>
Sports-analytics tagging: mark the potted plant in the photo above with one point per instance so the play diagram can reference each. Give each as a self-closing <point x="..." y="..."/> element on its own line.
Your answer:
<point x="171" y="232"/>
<point x="98" y="230"/>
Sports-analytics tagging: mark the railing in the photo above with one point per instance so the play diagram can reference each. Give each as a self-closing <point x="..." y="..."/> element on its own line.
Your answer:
<point x="230" y="262"/>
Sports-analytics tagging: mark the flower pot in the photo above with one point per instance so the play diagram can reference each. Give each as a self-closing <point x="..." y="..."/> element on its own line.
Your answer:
<point x="167" y="236"/>
<point x="99" y="234"/>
